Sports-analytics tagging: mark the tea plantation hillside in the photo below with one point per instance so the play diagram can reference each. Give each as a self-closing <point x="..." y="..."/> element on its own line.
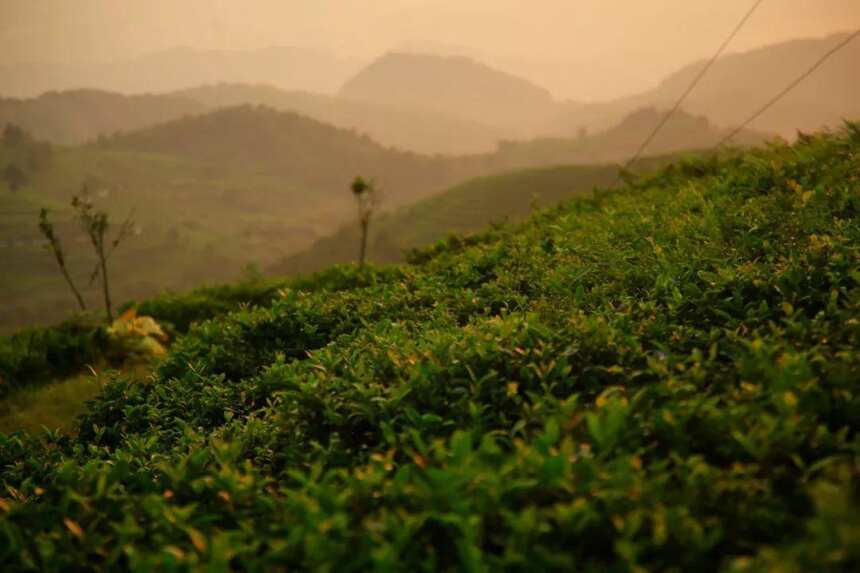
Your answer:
<point x="660" y="378"/>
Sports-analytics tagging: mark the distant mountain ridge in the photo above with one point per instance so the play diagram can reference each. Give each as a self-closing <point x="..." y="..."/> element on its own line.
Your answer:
<point x="78" y="116"/>
<point x="454" y="105"/>
<point x="180" y="68"/>
<point x="740" y="83"/>
<point x="453" y="85"/>
<point x="421" y="131"/>
<point x="751" y="78"/>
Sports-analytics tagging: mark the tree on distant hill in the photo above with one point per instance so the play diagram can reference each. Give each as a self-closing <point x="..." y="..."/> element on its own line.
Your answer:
<point x="15" y="177"/>
<point x="96" y="224"/>
<point x="367" y="199"/>
<point x="13" y="135"/>
<point x="47" y="229"/>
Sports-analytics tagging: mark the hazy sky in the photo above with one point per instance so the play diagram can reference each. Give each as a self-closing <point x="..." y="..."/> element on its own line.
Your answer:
<point x="577" y="48"/>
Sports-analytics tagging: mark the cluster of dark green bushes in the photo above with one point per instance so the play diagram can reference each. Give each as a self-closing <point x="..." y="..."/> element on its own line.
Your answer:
<point x="38" y="355"/>
<point x="662" y="378"/>
<point x="27" y="156"/>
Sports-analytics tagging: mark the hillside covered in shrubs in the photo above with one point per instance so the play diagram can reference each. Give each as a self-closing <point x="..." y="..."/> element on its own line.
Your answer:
<point x="658" y="378"/>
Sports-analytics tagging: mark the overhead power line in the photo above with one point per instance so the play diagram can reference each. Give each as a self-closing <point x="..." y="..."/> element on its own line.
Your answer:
<point x="790" y="87"/>
<point x="693" y="85"/>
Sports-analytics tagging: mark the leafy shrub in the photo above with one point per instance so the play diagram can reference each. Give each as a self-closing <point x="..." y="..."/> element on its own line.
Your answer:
<point x="38" y="354"/>
<point x="180" y="311"/>
<point x="661" y="378"/>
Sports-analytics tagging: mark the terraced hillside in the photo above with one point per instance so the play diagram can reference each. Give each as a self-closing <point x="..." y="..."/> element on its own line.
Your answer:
<point x="211" y="194"/>
<point x="659" y="378"/>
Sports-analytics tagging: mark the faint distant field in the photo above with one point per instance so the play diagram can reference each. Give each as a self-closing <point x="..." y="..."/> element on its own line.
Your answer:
<point x="197" y="223"/>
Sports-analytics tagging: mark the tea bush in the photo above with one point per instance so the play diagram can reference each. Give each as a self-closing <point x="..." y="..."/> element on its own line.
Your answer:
<point x="662" y="378"/>
<point x="43" y="354"/>
<point x="40" y="354"/>
<point x="180" y="311"/>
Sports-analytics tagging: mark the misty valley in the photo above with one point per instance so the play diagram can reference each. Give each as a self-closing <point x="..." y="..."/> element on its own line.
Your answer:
<point x="294" y="309"/>
<point x="227" y="177"/>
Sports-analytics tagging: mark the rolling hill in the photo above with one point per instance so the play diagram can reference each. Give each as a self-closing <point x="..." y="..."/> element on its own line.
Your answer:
<point x="77" y="116"/>
<point x="81" y="116"/>
<point x="306" y="152"/>
<point x="740" y="83"/>
<point x="828" y="98"/>
<point x="454" y="86"/>
<point x="421" y="131"/>
<point x="324" y="158"/>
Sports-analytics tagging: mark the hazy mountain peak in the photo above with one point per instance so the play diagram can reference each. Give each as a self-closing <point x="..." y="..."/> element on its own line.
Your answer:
<point x="454" y="85"/>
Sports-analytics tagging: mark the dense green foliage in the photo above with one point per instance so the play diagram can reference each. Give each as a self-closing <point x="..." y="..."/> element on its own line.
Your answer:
<point x="178" y="311"/>
<point x="38" y="355"/>
<point x="660" y="378"/>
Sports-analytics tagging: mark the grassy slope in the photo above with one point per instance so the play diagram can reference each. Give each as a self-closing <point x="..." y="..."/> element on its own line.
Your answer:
<point x="661" y="378"/>
<point x="465" y="208"/>
<point x="53" y="407"/>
